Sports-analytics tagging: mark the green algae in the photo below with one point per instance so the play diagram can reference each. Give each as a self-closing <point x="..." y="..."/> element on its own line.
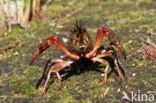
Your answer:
<point x="129" y="20"/>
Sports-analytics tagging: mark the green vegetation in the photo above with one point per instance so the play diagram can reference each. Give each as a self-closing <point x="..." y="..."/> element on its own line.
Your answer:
<point x="130" y="20"/>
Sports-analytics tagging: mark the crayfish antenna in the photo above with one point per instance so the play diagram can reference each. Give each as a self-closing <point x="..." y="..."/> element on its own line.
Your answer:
<point x="76" y="23"/>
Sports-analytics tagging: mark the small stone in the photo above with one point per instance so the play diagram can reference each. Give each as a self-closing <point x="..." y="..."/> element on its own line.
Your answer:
<point x="65" y="40"/>
<point x="16" y="53"/>
<point x="103" y="75"/>
<point x="130" y="41"/>
<point x="103" y="51"/>
<point x="9" y="55"/>
<point x="136" y="30"/>
<point x="133" y="74"/>
<point x="118" y="90"/>
<point x="62" y="56"/>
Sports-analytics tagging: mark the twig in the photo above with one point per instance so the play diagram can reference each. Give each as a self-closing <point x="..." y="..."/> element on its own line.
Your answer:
<point x="148" y="50"/>
<point x="105" y="93"/>
<point x="67" y="16"/>
<point x="12" y="45"/>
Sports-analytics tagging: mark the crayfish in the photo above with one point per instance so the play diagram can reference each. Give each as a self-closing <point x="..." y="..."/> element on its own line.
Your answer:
<point x="80" y="47"/>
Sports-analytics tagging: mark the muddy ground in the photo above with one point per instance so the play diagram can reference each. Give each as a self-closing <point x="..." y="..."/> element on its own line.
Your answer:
<point x="132" y="21"/>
